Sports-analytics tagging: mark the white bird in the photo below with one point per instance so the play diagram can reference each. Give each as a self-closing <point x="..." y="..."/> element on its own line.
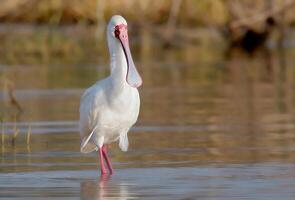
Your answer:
<point x="110" y="107"/>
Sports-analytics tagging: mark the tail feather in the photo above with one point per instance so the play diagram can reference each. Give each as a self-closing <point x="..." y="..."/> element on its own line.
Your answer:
<point x="123" y="141"/>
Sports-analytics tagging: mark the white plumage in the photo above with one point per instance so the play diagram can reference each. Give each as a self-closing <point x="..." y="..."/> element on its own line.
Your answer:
<point x="110" y="107"/>
<point x="107" y="114"/>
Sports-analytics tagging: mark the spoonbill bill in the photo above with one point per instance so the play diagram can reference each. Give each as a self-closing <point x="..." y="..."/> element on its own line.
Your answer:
<point x="110" y="107"/>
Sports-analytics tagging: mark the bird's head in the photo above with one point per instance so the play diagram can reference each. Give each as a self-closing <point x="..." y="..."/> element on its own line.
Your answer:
<point x="118" y="34"/>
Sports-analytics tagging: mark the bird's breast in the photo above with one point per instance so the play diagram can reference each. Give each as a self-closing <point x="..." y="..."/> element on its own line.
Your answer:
<point x="122" y="111"/>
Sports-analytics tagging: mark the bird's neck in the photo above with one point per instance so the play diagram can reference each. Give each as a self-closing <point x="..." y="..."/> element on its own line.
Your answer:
<point x="118" y="67"/>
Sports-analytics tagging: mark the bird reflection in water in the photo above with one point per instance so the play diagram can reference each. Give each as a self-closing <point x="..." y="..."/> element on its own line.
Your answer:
<point x="105" y="189"/>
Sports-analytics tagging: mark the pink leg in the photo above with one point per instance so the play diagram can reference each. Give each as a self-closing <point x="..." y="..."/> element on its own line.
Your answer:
<point x="102" y="167"/>
<point x="105" y="154"/>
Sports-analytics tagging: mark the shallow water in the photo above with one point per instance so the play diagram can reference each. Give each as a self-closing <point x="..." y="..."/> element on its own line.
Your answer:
<point x="256" y="181"/>
<point x="210" y="127"/>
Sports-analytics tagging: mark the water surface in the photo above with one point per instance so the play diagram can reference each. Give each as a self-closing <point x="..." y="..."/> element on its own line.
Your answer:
<point x="211" y="126"/>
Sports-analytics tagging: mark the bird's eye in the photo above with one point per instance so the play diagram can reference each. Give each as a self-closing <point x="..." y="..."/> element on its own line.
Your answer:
<point x="117" y="32"/>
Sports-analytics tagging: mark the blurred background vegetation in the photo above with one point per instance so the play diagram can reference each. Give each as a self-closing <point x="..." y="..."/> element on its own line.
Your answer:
<point x="191" y="12"/>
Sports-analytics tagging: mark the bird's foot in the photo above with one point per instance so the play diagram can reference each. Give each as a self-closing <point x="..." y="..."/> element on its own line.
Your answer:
<point x="103" y="172"/>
